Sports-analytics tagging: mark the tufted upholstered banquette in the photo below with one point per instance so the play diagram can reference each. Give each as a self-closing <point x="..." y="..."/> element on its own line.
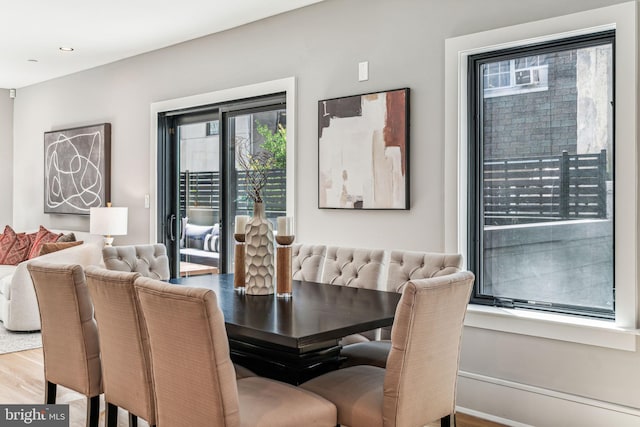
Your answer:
<point x="306" y="262"/>
<point x="148" y="260"/>
<point x="355" y="267"/>
<point x="405" y="266"/>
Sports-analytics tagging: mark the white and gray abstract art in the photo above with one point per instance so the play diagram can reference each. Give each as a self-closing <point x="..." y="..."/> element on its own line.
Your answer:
<point x="76" y="170"/>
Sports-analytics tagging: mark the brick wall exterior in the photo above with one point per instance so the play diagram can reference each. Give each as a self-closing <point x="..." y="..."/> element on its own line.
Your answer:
<point x="535" y="123"/>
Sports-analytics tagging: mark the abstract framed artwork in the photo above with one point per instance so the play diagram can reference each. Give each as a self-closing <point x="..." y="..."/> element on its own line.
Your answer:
<point x="77" y="165"/>
<point x="363" y="151"/>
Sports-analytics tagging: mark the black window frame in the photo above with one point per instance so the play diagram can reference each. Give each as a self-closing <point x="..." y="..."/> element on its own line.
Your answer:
<point x="475" y="160"/>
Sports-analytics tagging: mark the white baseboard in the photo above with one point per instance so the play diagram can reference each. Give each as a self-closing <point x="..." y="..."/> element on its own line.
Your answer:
<point x="522" y="405"/>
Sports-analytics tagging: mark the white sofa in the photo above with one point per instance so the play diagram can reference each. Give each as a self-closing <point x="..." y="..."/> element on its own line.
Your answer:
<point x="18" y="303"/>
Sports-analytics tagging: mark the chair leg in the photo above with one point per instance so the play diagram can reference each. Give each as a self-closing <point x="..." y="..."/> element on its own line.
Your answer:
<point x="111" y="415"/>
<point x="50" y="390"/>
<point x="446" y="421"/>
<point x="93" y="411"/>
<point x="133" y="420"/>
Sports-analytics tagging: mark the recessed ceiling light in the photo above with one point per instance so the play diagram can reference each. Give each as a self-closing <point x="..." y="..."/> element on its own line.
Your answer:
<point x="66" y="49"/>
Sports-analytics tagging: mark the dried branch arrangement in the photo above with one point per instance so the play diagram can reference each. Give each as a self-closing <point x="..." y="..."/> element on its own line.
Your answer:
<point x="255" y="167"/>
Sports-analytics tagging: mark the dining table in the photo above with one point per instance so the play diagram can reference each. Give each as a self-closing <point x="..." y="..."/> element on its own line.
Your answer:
<point x="296" y="338"/>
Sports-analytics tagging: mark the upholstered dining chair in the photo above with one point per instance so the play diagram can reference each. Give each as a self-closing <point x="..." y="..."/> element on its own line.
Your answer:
<point x="306" y="262"/>
<point x="418" y="385"/>
<point x="355" y="267"/>
<point x="148" y="260"/>
<point x="124" y="346"/>
<point x="404" y="266"/>
<point x="69" y="334"/>
<point x="193" y="374"/>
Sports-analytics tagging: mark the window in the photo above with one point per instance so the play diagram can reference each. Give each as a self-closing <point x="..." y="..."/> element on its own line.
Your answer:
<point x="541" y="176"/>
<point x="515" y="76"/>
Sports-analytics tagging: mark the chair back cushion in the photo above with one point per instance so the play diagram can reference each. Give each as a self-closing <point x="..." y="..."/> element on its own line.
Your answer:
<point x="148" y="260"/>
<point x="193" y="376"/>
<point x="422" y="366"/>
<point x="124" y="344"/>
<point x="360" y="268"/>
<point x="307" y="261"/>
<point x="69" y="332"/>
<point x="406" y="265"/>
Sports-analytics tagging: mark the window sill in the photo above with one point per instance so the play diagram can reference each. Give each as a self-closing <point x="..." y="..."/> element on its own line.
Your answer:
<point x="599" y="333"/>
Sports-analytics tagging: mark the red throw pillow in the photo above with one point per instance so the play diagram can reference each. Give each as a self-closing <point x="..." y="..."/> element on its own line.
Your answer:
<point x="14" y="247"/>
<point x="42" y="236"/>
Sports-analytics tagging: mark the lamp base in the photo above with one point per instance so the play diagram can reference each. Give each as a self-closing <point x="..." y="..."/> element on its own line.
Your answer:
<point x="108" y="240"/>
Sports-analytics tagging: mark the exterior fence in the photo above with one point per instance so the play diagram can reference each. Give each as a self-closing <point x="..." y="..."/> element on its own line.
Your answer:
<point x="202" y="190"/>
<point x="545" y="188"/>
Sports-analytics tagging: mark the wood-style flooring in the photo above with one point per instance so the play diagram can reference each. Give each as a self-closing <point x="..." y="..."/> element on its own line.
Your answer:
<point x="22" y="382"/>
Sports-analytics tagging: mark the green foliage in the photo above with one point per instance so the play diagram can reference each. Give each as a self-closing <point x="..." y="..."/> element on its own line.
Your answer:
<point x="276" y="143"/>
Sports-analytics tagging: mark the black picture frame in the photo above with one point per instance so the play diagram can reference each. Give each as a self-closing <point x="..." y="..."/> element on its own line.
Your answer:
<point x="363" y="151"/>
<point x="77" y="169"/>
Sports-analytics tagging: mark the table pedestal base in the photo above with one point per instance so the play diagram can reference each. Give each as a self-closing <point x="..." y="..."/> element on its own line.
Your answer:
<point x="282" y="364"/>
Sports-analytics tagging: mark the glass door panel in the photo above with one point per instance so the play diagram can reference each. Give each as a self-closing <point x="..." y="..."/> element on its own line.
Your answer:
<point x="251" y="131"/>
<point x="200" y="197"/>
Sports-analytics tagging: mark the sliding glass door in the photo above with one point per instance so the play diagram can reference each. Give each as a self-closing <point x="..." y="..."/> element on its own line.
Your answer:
<point x="200" y="186"/>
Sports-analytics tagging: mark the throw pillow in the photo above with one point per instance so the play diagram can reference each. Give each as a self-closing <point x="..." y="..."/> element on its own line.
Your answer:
<point x="47" y="248"/>
<point x="42" y="236"/>
<point x="183" y="226"/>
<point x="70" y="237"/>
<point x="14" y="247"/>
<point x="211" y="243"/>
<point x="195" y="235"/>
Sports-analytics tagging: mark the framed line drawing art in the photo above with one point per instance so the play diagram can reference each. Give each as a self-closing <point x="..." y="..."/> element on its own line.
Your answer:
<point x="363" y="151"/>
<point x="77" y="165"/>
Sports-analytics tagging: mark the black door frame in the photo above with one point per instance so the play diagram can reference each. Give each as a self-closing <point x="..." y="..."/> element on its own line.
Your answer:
<point x="168" y="175"/>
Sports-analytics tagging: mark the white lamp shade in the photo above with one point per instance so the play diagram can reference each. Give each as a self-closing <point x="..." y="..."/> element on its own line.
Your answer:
<point x="108" y="221"/>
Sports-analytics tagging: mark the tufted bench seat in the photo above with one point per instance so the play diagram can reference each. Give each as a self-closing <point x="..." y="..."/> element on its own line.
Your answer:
<point x="148" y="260"/>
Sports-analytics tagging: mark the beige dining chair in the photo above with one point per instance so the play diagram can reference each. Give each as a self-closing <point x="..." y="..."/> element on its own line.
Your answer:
<point x="192" y="371"/>
<point x="306" y="262"/>
<point x="70" y="344"/>
<point x="418" y="386"/>
<point x="148" y="260"/>
<point x="404" y="266"/>
<point x="124" y="345"/>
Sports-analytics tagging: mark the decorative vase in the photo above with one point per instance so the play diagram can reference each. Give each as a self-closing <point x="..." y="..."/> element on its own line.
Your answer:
<point x="259" y="257"/>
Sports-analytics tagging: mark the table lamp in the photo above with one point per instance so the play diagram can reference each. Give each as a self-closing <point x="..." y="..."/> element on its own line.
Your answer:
<point x="108" y="221"/>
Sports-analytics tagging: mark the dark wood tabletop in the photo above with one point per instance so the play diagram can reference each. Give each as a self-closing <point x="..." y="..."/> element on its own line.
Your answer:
<point x="314" y="315"/>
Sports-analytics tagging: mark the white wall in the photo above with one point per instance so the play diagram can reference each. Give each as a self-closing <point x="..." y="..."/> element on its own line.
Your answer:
<point x="321" y="46"/>
<point x="6" y="154"/>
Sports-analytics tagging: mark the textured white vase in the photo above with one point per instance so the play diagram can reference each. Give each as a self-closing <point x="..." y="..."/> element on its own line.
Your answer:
<point x="259" y="257"/>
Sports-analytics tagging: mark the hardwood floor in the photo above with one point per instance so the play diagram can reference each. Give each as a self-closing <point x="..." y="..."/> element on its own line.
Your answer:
<point x="22" y="381"/>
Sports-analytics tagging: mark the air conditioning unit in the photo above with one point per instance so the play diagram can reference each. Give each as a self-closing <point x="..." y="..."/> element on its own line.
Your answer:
<point x="527" y="77"/>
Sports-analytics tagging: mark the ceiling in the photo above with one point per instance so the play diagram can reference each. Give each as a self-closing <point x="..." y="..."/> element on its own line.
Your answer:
<point x="100" y="32"/>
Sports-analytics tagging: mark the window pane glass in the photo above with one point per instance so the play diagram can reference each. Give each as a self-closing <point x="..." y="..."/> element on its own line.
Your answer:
<point x="547" y="183"/>
<point x="250" y="134"/>
<point x="199" y="194"/>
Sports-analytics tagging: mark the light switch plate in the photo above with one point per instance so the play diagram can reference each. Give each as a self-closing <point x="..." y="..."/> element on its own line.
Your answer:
<point x="363" y="71"/>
